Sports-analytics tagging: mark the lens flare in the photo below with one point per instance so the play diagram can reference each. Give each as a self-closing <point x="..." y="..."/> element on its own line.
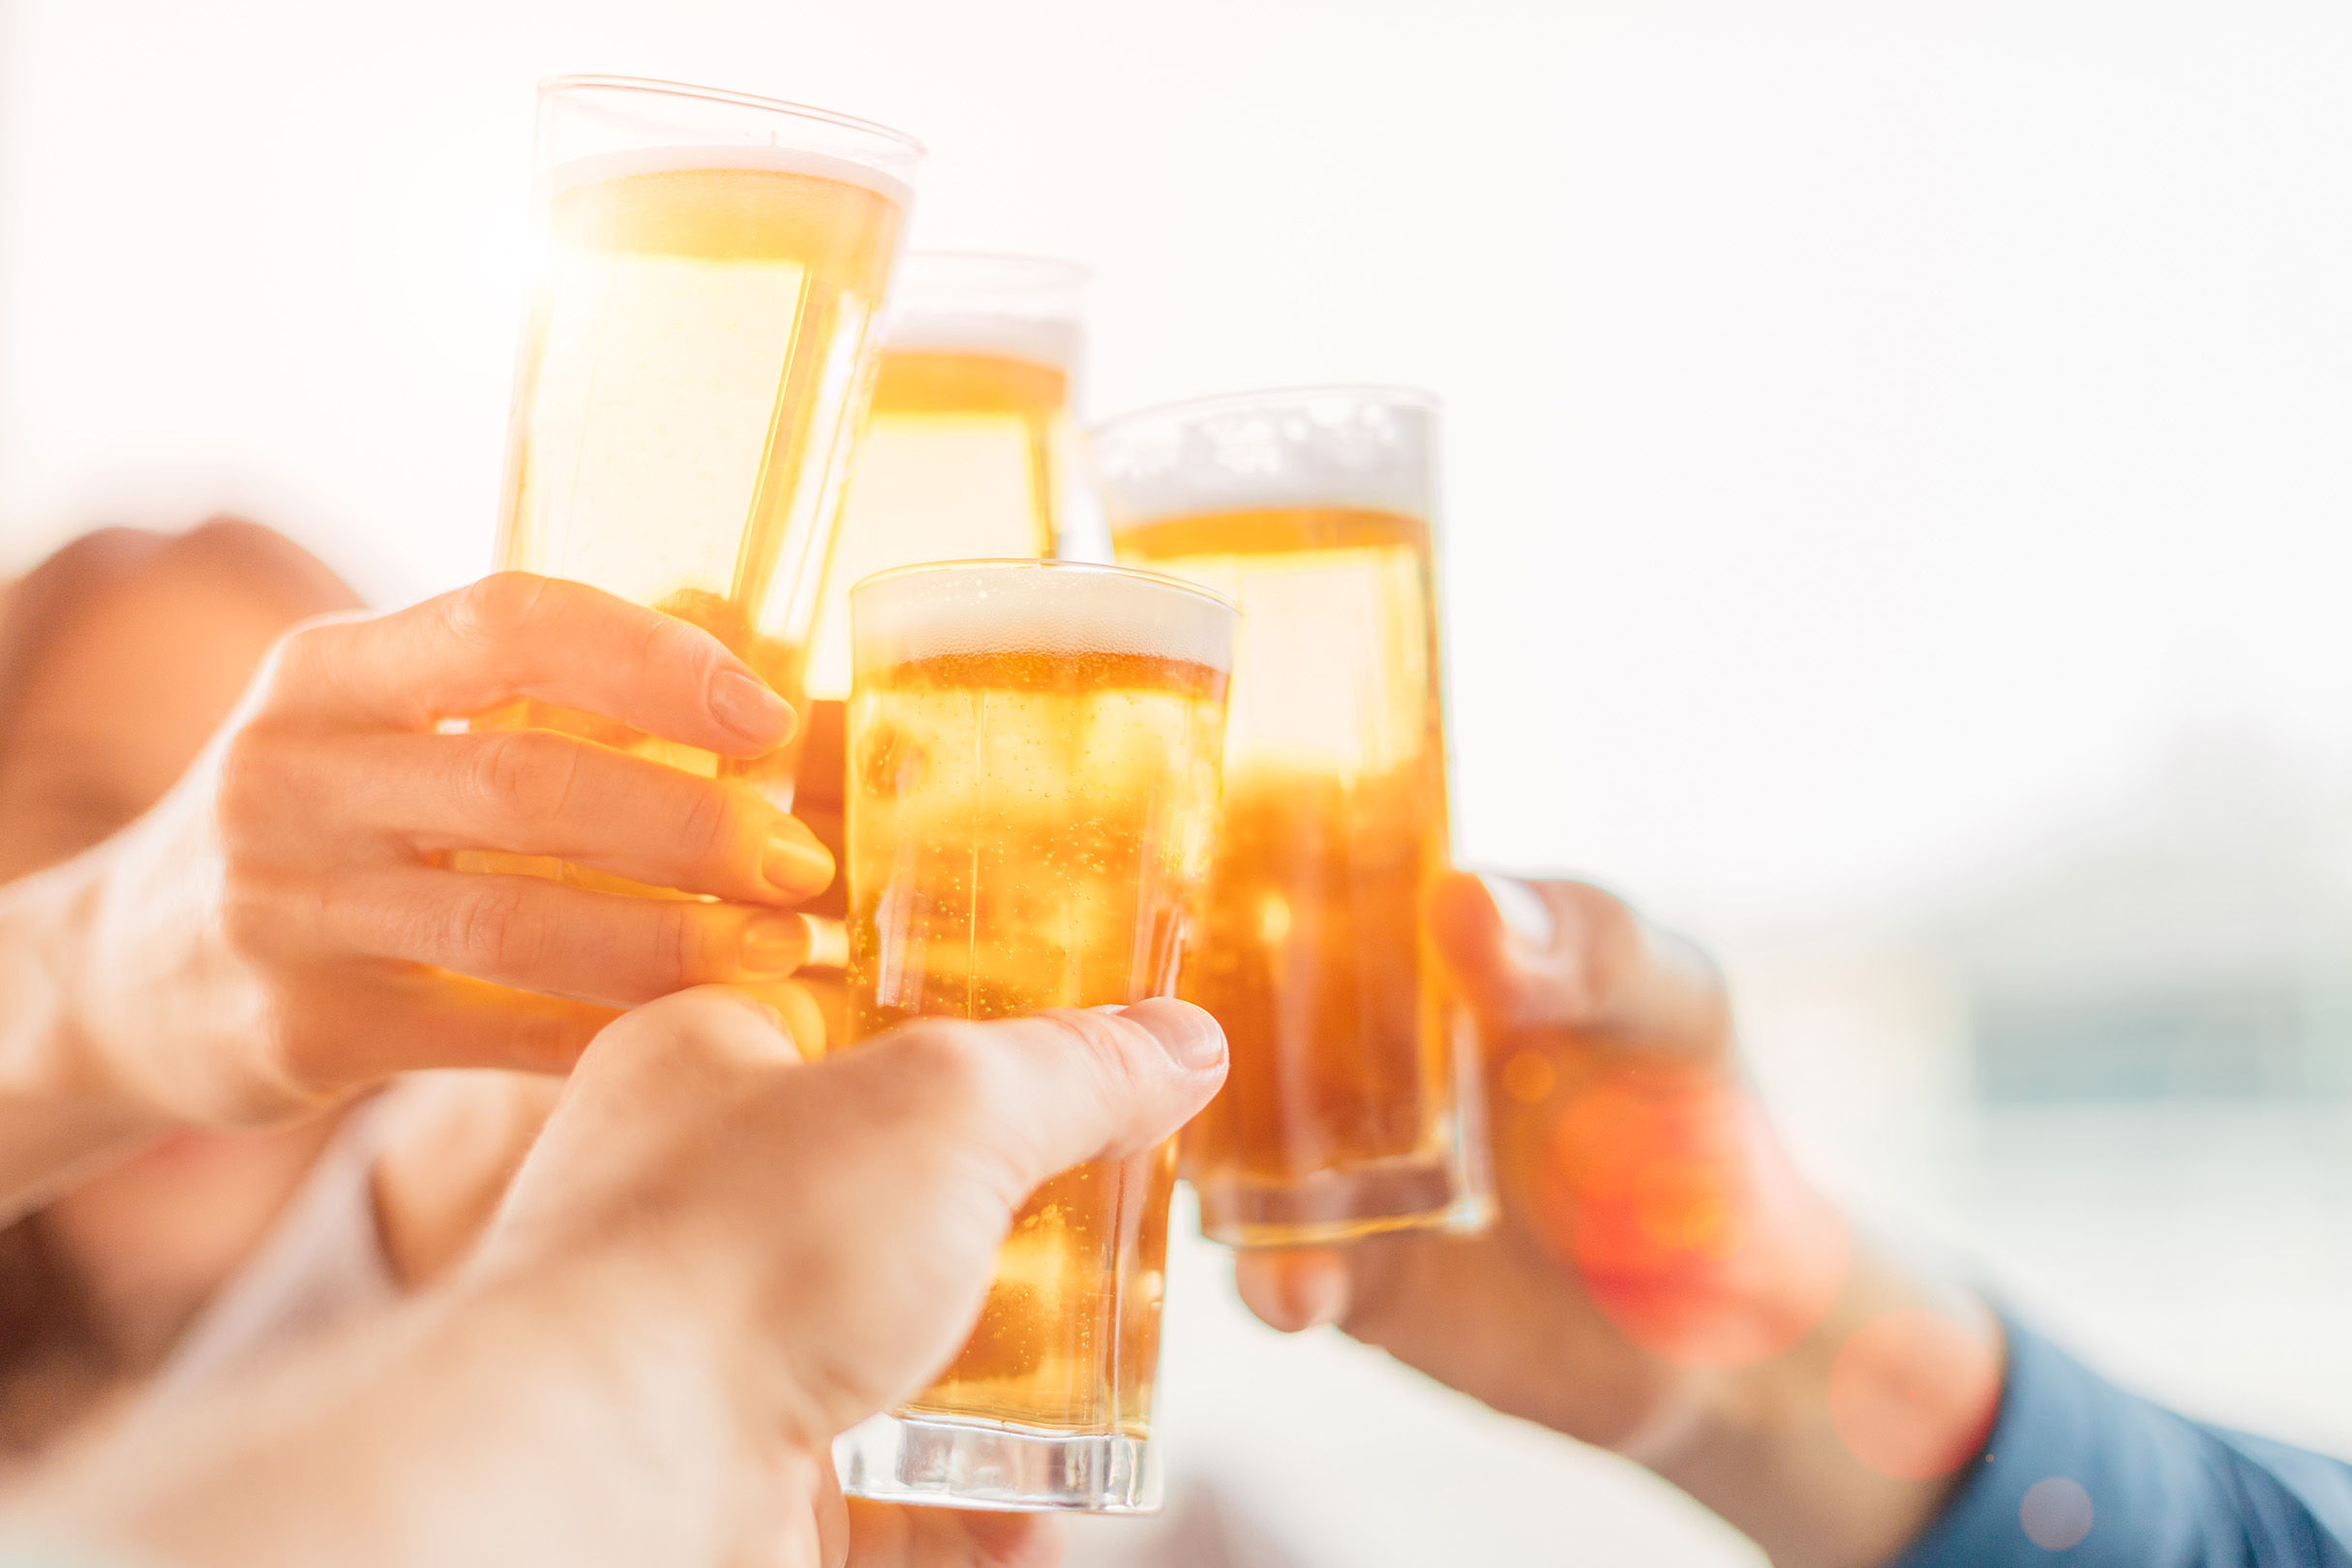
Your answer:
<point x="1665" y="1188"/>
<point x="1913" y="1395"/>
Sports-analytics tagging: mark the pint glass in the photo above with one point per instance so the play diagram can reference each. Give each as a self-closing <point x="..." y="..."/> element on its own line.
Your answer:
<point x="1349" y="1107"/>
<point x="695" y="366"/>
<point x="1034" y="767"/>
<point x="967" y="451"/>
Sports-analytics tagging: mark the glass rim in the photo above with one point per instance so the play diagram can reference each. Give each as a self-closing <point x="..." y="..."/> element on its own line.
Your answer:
<point x="1411" y="397"/>
<point x="657" y="87"/>
<point x="1094" y="568"/>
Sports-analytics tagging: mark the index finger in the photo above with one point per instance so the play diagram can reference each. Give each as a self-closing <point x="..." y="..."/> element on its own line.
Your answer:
<point x="515" y="635"/>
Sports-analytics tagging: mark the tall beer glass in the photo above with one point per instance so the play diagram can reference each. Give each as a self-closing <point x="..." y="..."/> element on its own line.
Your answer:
<point x="1033" y="763"/>
<point x="1348" y="1108"/>
<point x="696" y="363"/>
<point x="967" y="451"/>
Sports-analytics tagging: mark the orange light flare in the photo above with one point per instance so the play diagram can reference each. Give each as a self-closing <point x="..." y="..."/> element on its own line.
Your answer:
<point x="1665" y="1188"/>
<point x="1913" y="1395"/>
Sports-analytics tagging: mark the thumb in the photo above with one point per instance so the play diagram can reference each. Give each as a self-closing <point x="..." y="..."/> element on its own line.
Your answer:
<point x="1497" y="936"/>
<point x="1040" y="1095"/>
<point x="1569" y="955"/>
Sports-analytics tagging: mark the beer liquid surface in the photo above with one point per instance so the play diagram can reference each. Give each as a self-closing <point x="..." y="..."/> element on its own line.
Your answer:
<point x="1024" y="832"/>
<point x="963" y="458"/>
<point x="690" y="385"/>
<point x="1309" y="949"/>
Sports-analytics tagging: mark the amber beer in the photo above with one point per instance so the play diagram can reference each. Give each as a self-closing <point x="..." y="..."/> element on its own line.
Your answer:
<point x="1034" y="764"/>
<point x="1347" y="1109"/>
<point x="967" y="448"/>
<point x="695" y="365"/>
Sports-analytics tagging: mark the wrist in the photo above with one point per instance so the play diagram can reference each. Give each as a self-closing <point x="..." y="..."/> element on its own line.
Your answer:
<point x="1842" y="1449"/>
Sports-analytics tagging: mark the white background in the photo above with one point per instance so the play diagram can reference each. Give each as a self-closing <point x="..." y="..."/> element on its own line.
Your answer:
<point x="1877" y="432"/>
<point x="1872" y="427"/>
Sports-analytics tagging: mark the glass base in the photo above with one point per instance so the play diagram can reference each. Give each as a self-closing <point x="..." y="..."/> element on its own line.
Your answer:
<point x="996" y="1465"/>
<point x="1327" y="1207"/>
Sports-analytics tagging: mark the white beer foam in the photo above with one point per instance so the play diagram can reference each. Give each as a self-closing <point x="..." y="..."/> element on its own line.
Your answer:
<point x="1367" y="447"/>
<point x="614" y="166"/>
<point x="1032" y="340"/>
<point x="1019" y="606"/>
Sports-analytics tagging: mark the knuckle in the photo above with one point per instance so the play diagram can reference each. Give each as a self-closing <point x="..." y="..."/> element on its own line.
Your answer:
<point x="295" y="660"/>
<point x="490" y="928"/>
<point x="711" y="1019"/>
<point x="667" y="639"/>
<point x="253" y="917"/>
<point x="526" y="775"/>
<point x="495" y="610"/>
<point x="683" y="939"/>
<point x="943" y="1070"/>
<point x="717" y="819"/>
<point x="251" y="782"/>
<point x="1104" y="1051"/>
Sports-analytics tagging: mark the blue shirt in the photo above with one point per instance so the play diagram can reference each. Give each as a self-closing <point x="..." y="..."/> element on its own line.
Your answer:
<point x="2080" y="1474"/>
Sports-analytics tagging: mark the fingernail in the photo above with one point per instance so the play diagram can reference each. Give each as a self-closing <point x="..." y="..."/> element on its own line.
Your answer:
<point x="1190" y="1036"/>
<point x="750" y="709"/>
<point x="773" y="943"/>
<point x="796" y="862"/>
<point x="1525" y="914"/>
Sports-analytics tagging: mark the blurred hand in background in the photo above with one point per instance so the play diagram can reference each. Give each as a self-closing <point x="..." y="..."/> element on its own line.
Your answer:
<point x="1662" y="1280"/>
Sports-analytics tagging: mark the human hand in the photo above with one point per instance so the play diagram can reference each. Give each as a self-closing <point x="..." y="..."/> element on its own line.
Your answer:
<point x="1661" y="1280"/>
<point x="1650" y="1233"/>
<point x="905" y="1159"/>
<point x="279" y="928"/>
<point x="717" y="1258"/>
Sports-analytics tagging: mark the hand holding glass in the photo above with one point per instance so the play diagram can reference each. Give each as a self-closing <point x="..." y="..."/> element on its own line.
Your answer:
<point x="1034" y="763"/>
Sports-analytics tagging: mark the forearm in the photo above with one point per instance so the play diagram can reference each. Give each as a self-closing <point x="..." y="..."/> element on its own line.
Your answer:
<point x="59" y="1113"/>
<point x="512" y="1423"/>
<point x="1839" y="1452"/>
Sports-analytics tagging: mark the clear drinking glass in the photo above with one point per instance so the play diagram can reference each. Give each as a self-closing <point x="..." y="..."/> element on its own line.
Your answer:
<point x="1352" y="1106"/>
<point x="1033" y="763"/>
<point x="967" y="453"/>
<point x="696" y="365"/>
<point x="968" y="449"/>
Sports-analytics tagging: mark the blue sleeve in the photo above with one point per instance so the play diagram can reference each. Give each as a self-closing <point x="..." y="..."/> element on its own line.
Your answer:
<point x="2080" y="1474"/>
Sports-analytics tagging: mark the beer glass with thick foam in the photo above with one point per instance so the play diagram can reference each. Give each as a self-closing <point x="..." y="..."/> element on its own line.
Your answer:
<point x="1350" y="1106"/>
<point x="696" y="363"/>
<point x="1033" y="759"/>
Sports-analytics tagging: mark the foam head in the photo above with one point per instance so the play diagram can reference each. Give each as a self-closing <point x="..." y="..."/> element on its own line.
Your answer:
<point x="959" y="609"/>
<point x="1056" y="345"/>
<point x="1012" y="307"/>
<point x="1369" y="447"/>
